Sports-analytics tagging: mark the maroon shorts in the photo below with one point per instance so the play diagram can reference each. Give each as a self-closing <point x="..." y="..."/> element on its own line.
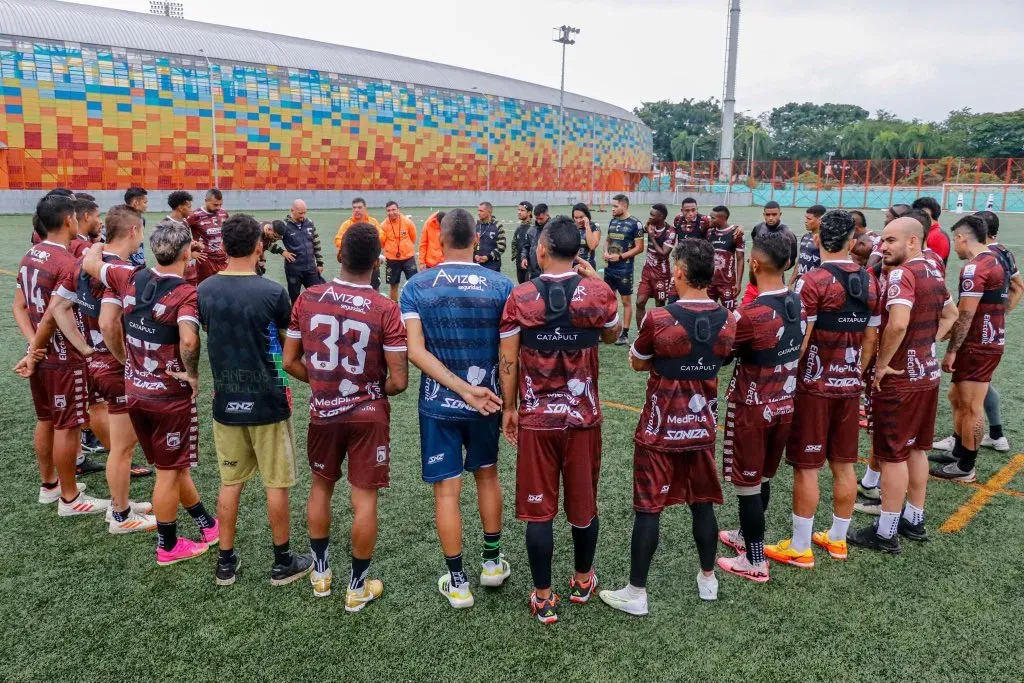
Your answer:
<point x="654" y="286"/>
<point x="975" y="367"/>
<point x="59" y="394"/>
<point x="723" y="294"/>
<point x="208" y="268"/>
<point x="367" y="444"/>
<point x="823" y="429"/>
<point x="168" y="432"/>
<point x="544" y="456"/>
<point x="755" y="437"/>
<point x="661" y="479"/>
<point x="904" y="421"/>
<point x="106" y="385"/>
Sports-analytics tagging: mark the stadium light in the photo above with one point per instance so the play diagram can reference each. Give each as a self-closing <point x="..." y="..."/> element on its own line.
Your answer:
<point x="562" y="34"/>
<point x="213" y="118"/>
<point x="725" y="152"/>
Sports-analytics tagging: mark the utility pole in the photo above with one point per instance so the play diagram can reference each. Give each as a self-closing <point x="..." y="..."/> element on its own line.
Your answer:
<point x="213" y="119"/>
<point x="562" y="34"/>
<point x="729" y="94"/>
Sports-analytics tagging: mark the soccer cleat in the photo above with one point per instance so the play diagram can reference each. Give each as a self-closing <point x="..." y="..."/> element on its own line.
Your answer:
<point x="138" y="471"/>
<point x="867" y="537"/>
<point x="623" y="340"/>
<point x="211" y="536"/>
<point x="141" y="507"/>
<point x="741" y="567"/>
<point x="283" y="574"/>
<point x="493" y="574"/>
<point x="544" y="610"/>
<point x="582" y="592"/>
<point x="84" y="504"/>
<point x="912" y="532"/>
<point x="88" y="466"/>
<point x="90" y="444"/>
<point x="321" y="582"/>
<point x="784" y="553"/>
<point x="941" y="458"/>
<point x="227" y="570"/>
<point x="184" y="549"/>
<point x="871" y="493"/>
<point x="837" y="550"/>
<point x="868" y="506"/>
<point x="1002" y="444"/>
<point x="356" y="600"/>
<point x="626" y="601"/>
<point x="133" y="522"/>
<point x="50" y="496"/>
<point x="707" y="586"/>
<point x="733" y="538"/>
<point x="944" y="444"/>
<point x="458" y="596"/>
<point x="953" y="472"/>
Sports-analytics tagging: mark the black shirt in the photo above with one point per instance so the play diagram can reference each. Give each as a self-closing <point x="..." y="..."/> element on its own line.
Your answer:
<point x="763" y="228"/>
<point x="810" y="255"/>
<point x="243" y="315"/>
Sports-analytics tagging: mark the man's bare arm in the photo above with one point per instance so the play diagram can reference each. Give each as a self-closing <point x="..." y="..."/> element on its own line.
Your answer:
<point x="21" y="317"/>
<point x="292" y="360"/>
<point x="398" y="372"/>
<point x="112" y="331"/>
<point x="967" y="307"/>
<point x="481" y="399"/>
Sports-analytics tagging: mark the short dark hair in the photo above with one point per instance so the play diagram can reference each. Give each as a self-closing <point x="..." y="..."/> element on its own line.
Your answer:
<point x="119" y="220"/>
<point x="62" y="191"/>
<point x="991" y="221"/>
<point x="775" y="246"/>
<point x="458" y="229"/>
<point x="490" y="207"/>
<point x="721" y="208"/>
<point x="527" y="205"/>
<point x="816" y="210"/>
<point x="836" y="230"/>
<point x="133" y="193"/>
<point x="772" y="205"/>
<point x="52" y="210"/>
<point x="621" y="198"/>
<point x="278" y="227"/>
<point x="177" y="198"/>
<point x="699" y="258"/>
<point x="214" y="193"/>
<point x="540" y="209"/>
<point x="900" y="210"/>
<point x="922" y="218"/>
<point x="562" y="237"/>
<point x="84" y="206"/>
<point x="390" y="203"/>
<point x="582" y="208"/>
<point x="863" y="218"/>
<point x="974" y="226"/>
<point x="661" y="208"/>
<point x="85" y="195"/>
<point x="241" y="234"/>
<point x="440" y="216"/>
<point x="358" y="200"/>
<point x="928" y="203"/>
<point x="360" y="248"/>
<point x="689" y="200"/>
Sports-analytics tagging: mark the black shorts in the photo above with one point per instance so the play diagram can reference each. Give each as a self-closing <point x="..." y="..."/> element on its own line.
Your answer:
<point x="620" y="283"/>
<point x="394" y="270"/>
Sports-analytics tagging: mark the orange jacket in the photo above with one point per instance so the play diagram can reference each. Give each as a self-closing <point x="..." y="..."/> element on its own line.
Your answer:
<point x="430" y="243"/>
<point x="399" y="238"/>
<point x="352" y="221"/>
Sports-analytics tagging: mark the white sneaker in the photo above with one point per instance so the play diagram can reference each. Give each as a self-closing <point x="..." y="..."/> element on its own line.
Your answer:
<point x="630" y="600"/>
<point x="945" y="444"/>
<point x="48" y="496"/>
<point x="458" y="596"/>
<point x="133" y="522"/>
<point x="707" y="586"/>
<point x="84" y="504"/>
<point x="1002" y="444"/>
<point x="139" y="507"/>
<point x="868" y="507"/>
<point x="493" y="574"/>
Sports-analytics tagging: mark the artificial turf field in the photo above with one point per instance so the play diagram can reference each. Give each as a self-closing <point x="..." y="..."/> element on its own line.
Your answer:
<point x="79" y="604"/>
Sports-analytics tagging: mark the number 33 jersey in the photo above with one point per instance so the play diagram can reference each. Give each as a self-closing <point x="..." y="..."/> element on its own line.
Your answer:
<point x="345" y="330"/>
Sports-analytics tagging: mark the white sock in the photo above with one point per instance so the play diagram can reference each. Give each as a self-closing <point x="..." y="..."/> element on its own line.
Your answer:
<point x="802" y="527"/>
<point x="871" y="478"/>
<point x="887" y="523"/>
<point x="912" y="514"/>
<point x="635" y="593"/>
<point x="80" y="459"/>
<point x="839" y="528"/>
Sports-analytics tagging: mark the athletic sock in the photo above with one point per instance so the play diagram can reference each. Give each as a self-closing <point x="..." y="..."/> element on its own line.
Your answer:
<point x="225" y="554"/>
<point x="634" y="592"/>
<point x="492" y="547"/>
<point x="458" y="576"/>
<point x="50" y="486"/>
<point x="642" y="546"/>
<point x="914" y="515"/>
<point x="357" y="575"/>
<point x="203" y="518"/>
<point x="166" y="535"/>
<point x="871" y="478"/>
<point x="995" y="432"/>
<point x="584" y="545"/>
<point x="766" y="493"/>
<point x="957" y="441"/>
<point x="319" y="548"/>
<point x="120" y="517"/>
<point x="80" y="458"/>
<point x="966" y="458"/>
<point x="705" y="534"/>
<point x="752" y="526"/>
<point x="282" y="554"/>
<point x="887" y="524"/>
<point x="839" y="528"/>
<point x="802" y="528"/>
<point x="540" y="546"/>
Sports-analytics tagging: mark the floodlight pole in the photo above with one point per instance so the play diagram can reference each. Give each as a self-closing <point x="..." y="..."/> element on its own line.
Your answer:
<point x="213" y="118"/>
<point x="564" y="36"/>
<point x="729" y="95"/>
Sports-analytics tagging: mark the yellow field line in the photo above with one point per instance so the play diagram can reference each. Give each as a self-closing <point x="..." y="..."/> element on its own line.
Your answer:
<point x="621" y="406"/>
<point x="7" y="272"/>
<point x="966" y="512"/>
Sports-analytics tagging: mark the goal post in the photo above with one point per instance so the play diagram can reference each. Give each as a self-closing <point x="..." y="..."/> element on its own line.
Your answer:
<point x="971" y="197"/>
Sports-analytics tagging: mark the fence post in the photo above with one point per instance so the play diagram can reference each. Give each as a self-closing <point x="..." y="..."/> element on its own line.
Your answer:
<point x="842" y="182"/>
<point x="796" y="172"/>
<point x="1006" y="189"/>
<point x="977" y="179"/>
<point x="817" y="186"/>
<point x="892" y="183"/>
<point x="772" y="180"/>
<point x="920" y="175"/>
<point x="949" y="169"/>
<point x="867" y="182"/>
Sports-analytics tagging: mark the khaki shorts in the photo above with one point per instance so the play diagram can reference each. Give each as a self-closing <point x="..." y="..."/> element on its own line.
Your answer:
<point x="242" y="450"/>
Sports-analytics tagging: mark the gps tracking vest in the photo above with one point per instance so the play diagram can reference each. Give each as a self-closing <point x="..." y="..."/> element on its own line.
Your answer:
<point x="139" y="323"/>
<point x="702" y="330"/>
<point x="853" y="316"/>
<point x="558" y="333"/>
<point x="89" y="305"/>
<point x="787" y="346"/>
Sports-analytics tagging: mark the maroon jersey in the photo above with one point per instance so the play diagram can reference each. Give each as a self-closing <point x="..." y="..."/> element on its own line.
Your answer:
<point x="558" y="388"/>
<point x="147" y="363"/>
<point x="655" y="263"/>
<point x="831" y="365"/>
<point x="71" y="287"/>
<point x="984" y="278"/>
<point x="206" y="226"/>
<point x="727" y="244"/>
<point x="696" y="229"/>
<point x="759" y="327"/>
<point x="681" y="414"/>
<point x="936" y="265"/>
<point x="916" y="284"/>
<point x="79" y="245"/>
<point x="345" y="330"/>
<point x="40" y="273"/>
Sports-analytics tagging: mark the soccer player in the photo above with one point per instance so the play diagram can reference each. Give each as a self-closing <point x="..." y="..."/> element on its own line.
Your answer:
<point x="528" y="247"/>
<point x="843" y="308"/>
<point x="759" y="414"/>
<point x="809" y="254"/>
<point x="205" y="224"/>
<point x="549" y="365"/>
<point x="430" y="242"/>
<point x="772" y="223"/>
<point x="625" y="240"/>
<point x="87" y="213"/>
<point x="399" y="247"/>
<point x="917" y="312"/>
<point x="302" y="253"/>
<point x="525" y="214"/>
<point x="490" y="244"/>
<point x="655" y="278"/>
<point x="180" y="203"/>
<point x="937" y="240"/>
<point x="452" y="313"/>
<point x="58" y="384"/>
<point x="690" y="224"/>
<point x="682" y="346"/>
<point x="38" y="231"/>
<point x="138" y="199"/>
<point x="359" y="215"/>
<point x="728" y="243"/>
<point x="976" y="345"/>
<point x="590" y="233"/>
<point x="161" y="339"/>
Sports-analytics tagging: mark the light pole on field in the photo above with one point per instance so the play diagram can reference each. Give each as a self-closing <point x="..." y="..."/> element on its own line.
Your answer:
<point x="562" y="34"/>
<point x="213" y="118"/>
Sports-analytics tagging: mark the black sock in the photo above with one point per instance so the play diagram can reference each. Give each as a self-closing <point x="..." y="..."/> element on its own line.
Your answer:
<point x="282" y="555"/>
<point x="766" y="494"/>
<point x="166" y="535"/>
<point x="225" y="554"/>
<point x="319" y="548"/>
<point x="642" y="546"/>
<point x="995" y="432"/>
<point x="357" y="577"/>
<point x="957" y="442"/>
<point x="752" y="526"/>
<point x="584" y="544"/>
<point x="120" y="516"/>
<point x="492" y="547"/>
<point x="69" y="502"/>
<point x="201" y="516"/>
<point x="540" y="546"/>
<point x="965" y="458"/>
<point x="51" y="486"/>
<point x="455" y="569"/>
<point x="705" y="533"/>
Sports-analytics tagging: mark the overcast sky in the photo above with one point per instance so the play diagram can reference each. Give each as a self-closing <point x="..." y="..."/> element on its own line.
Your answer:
<point x="916" y="58"/>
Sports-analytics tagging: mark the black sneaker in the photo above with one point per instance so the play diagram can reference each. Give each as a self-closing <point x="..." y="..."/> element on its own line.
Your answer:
<point x="953" y="472"/>
<point x="867" y="537"/>
<point x="623" y="339"/>
<point x="281" y="574"/>
<point x="227" y="570"/>
<point x="913" y="532"/>
<point x="88" y="466"/>
<point x="941" y="457"/>
<point x="90" y="444"/>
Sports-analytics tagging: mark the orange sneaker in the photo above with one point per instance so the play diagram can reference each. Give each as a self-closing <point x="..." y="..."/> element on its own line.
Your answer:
<point x="836" y="549"/>
<point x="782" y="552"/>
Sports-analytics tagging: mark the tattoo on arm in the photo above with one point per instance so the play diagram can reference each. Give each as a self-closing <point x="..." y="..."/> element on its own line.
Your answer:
<point x="960" y="330"/>
<point x="506" y="365"/>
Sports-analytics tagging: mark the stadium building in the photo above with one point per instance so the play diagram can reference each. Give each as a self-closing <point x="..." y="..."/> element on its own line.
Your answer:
<point x="99" y="99"/>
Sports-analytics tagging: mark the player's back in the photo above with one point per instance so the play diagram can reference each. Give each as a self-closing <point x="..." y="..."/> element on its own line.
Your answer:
<point x="985" y="278"/>
<point x="40" y="272"/>
<point x="769" y="332"/>
<point x="726" y="245"/>
<point x="918" y="285"/>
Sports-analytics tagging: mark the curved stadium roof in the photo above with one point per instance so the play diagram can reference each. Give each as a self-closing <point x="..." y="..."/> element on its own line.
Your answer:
<point x="65" y="21"/>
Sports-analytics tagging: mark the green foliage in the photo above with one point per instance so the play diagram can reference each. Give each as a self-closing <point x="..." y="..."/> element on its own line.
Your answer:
<point x="668" y="119"/>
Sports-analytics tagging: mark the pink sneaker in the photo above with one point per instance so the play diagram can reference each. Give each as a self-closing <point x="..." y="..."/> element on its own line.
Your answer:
<point x="212" y="535"/>
<point x="184" y="549"/>
<point x="740" y="566"/>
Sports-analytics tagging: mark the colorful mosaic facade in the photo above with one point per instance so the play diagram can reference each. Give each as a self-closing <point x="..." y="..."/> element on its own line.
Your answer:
<point x="103" y="118"/>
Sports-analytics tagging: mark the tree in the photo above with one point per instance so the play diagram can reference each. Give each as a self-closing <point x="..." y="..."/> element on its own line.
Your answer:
<point x="886" y="145"/>
<point x="808" y="130"/>
<point x="988" y="135"/>
<point x="667" y="119"/>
